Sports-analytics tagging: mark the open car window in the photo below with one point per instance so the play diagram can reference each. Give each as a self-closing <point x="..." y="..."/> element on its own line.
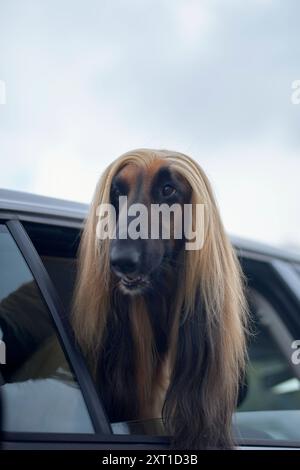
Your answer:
<point x="270" y="409"/>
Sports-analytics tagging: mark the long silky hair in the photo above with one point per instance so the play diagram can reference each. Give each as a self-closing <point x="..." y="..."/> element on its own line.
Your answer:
<point x="209" y="313"/>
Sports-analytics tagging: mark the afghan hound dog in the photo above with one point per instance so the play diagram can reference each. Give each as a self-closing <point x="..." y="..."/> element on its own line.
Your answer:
<point x="162" y="327"/>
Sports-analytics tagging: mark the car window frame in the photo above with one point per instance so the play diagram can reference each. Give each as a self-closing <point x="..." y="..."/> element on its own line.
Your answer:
<point x="56" y="311"/>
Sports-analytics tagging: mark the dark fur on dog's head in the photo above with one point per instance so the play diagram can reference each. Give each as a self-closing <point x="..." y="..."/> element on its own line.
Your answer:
<point x="163" y="328"/>
<point x="142" y="264"/>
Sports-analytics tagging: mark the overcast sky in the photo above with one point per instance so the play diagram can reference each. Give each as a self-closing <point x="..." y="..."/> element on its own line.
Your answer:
<point x="88" y="80"/>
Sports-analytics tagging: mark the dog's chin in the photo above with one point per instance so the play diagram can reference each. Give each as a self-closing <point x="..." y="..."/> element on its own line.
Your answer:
<point x="133" y="287"/>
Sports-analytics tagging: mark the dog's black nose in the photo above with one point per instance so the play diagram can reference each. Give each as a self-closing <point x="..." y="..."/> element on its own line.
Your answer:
<point x="125" y="261"/>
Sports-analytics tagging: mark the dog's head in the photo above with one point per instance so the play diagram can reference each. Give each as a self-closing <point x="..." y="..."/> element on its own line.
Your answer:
<point x="205" y="309"/>
<point x="149" y="203"/>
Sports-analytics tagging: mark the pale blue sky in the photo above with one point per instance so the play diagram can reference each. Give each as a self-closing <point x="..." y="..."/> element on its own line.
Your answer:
<point x="89" y="80"/>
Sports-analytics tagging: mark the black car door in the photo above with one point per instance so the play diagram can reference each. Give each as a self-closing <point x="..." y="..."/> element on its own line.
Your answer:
<point x="48" y="397"/>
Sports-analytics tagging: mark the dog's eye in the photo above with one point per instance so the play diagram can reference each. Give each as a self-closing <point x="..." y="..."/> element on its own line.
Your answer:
<point x="168" y="190"/>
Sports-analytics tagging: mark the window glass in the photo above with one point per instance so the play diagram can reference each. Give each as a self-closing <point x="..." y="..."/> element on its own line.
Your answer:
<point x="271" y="407"/>
<point x="39" y="390"/>
<point x="272" y="384"/>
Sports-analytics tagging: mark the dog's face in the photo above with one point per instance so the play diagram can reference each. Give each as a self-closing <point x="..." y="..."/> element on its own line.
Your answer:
<point x="140" y="263"/>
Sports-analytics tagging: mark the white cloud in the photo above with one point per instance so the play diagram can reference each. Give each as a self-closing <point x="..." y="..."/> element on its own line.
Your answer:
<point x="194" y="21"/>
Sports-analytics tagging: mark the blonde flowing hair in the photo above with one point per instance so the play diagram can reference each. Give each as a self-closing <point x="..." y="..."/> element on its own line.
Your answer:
<point x="209" y="311"/>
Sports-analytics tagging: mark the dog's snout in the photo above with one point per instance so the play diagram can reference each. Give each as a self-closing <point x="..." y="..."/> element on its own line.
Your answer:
<point x="125" y="261"/>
